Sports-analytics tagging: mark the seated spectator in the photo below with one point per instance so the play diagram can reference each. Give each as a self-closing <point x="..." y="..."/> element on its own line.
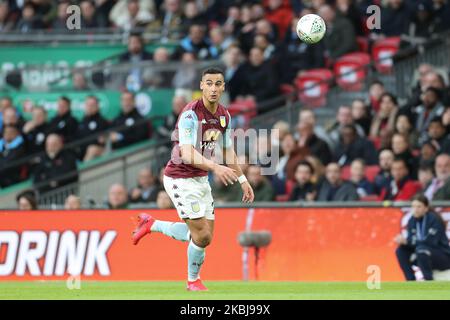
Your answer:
<point x="224" y="194"/>
<point x="36" y="130"/>
<point x="422" y="25"/>
<point x="385" y="117"/>
<point x="133" y="16"/>
<point x="296" y="56"/>
<point x="10" y="117"/>
<point x="352" y="147"/>
<point x="89" y="129"/>
<point x="165" y="130"/>
<point x="350" y="10"/>
<point x="26" y="200"/>
<point x="319" y="170"/>
<point x="72" y="202"/>
<point x="6" y="20"/>
<point x="425" y="176"/>
<point x="168" y="20"/>
<point x="30" y="21"/>
<point x="340" y="37"/>
<point x="401" y="149"/>
<point x="288" y="146"/>
<point x="130" y="127"/>
<point x="382" y="179"/>
<point x="280" y="14"/>
<point x="12" y="149"/>
<point x="305" y="189"/>
<point x="259" y="79"/>
<point x="376" y="90"/>
<point x="89" y="18"/>
<point x="357" y="176"/>
<point x="401" y="187"/>
<point x="60" y="22"/>
<point x="311" y="142"/>
<point x="430" y="108"/>
<point x="196" y="43"/>
<point x="233" y="60"/>
<point x="261" y="186"/>
<point x="343" y="117"/>
<point x="426" y="245"/>
<point x="439" y="189"/>
<point x="437" y="132"/>
<point x="333" y="188"/>
<point x="117" y="197"/>
<point x="56" y="168"/>
<point x="404" y="126"/>
<point x="135" y="55"/>
<point x="64" y="124"/>
<point x="147" y="187"/>
<point x="219" y="42"/>
<point x="267" y="48"/>
<point x="163" y="200"/>
<point x="306" y="114"/>
<point x="428" y="152"/>
<point x="361" y="115"/>
<point x="395" y="18"/>
<point x="192" y="16"/>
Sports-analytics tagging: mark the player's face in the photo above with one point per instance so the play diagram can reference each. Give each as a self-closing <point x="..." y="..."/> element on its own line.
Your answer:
<point x="212" y="86"/>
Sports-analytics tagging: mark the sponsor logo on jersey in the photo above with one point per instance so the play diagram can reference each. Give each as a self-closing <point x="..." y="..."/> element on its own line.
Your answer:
<point x="211" y="135"/>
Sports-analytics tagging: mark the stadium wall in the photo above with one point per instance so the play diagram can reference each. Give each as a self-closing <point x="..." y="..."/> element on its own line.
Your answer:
<point x="308" y="244"/>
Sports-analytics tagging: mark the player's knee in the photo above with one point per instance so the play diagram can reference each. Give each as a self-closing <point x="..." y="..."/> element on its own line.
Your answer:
<point x="204" y="239"/>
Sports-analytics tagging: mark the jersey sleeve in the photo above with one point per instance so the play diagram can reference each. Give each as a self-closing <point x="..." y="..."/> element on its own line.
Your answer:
<point x="187" y="128"/>
<point x="227" y="141"/>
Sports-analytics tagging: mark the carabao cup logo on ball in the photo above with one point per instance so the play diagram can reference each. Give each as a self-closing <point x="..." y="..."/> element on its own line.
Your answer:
<point x="311" y="28"/>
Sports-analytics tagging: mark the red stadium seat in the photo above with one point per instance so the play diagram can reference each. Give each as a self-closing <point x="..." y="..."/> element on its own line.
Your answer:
<point x="382" y="52"/>
<point x="370" y="172"/>
<point x="243" y="108"/>
<point x="313" y="86"/>
<point x="363" y="44"/>
<point x="345" y="172"/>
<point x="350" y="70"/>
<point x="370" y="197"/>
<point x="282" y="198"/>
<point x="290" y="184"/>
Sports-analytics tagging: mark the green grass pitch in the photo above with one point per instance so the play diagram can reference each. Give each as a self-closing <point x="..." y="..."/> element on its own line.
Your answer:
<point x="224" y="290"/>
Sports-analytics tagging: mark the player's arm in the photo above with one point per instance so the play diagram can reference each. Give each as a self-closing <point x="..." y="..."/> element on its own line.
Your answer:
<point x="187" y="133"/>
<point x="231" y="160"/>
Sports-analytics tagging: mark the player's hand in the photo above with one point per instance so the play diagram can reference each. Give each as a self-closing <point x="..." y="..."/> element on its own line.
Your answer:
<point x="225" y="174"/>
<point x="248" y="194"/>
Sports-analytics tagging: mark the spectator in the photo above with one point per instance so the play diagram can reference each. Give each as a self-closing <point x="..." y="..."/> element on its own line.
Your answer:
<point x="279" y="130"/>
<point x="60" y="22"/>
<point x="426" y="176"/>
<point x="72" y="202"/>
<point x="36" y="130"/>
<point x="79" y="82"/>
<point x="26" y="200"/>
<point x="422" y="25"/>
<point x="219" y="42"/>
<point x="288" y="146"/>
<point x="64" y="124"/>
<point x="268" y="48"/>
<point x="385" y="117"/>
<point x="10" y="117"/>
<point x="441" y="13"/>
<point x="157" y="76"/>
<point x="165" y="130"/>
<point x="163" y="200"/>
<point x="361" y="115"/>
<point x="169" y="20"/>
<point x="223" y="194"/>
<point x="133" y="16"/>
<point x="234" y="71"/>
<point x="260" y="81"/>
<point x="260" y="184"/>
<point x="12" y="149"/>
<point x="319" y="170"/>
<point x="308" y="139"/>
<point x="29" y="21"/>
<point x="343" y="117"/>
<point x="395" y="18"/>
<point x="430" y="108"/>
<point x="305" y="189"/>
<point x="297" y="56"/>
<point x="426" y="244"/>
<point x="348" y="9"/>
<point x="428" y="152"/>
<point x="130" y="127"/>
<point x="196" y="43"/>
<point x="279" y="13"/>
<point x="89" y="18"/>
<point x="340" y="37"/>
<point x="401" y="149"/>
<point x="376" y="90"/>
<point x="352" y="147"/>
<point x="437" y="132"/>
<point x="357" y="176"/>
<point x="382" y="179"/>
<point x="306" y="114"/>
<point x="117" y="197"/>
<point x="192" y="15"/>
<point x="333" y="188"/>
<point x="404" y="126"/>
<point x="135" y="55"/>
<point x="401" y="187"/>
<point x="89" y="129"/>
<point x="439" y="189"/>
<point x="147" y="187"/>
<point x="56" y="168"/>
<point x="6" y="22"/>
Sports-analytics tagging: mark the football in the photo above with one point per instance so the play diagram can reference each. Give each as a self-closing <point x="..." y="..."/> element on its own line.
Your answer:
<point x="311" y="28"/>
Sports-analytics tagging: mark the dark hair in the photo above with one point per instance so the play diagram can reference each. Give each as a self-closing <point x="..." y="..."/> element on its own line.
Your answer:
<point x="436" y="91"/>
<point x="66" y="99"/>
<point x="391" y="96"/>
<point x="437" y="119"/>
<point x="400" y="159"/>
<point x="377" y="82"/>
<point x="351" y="127"/>
<point x="30" y="196"/>
<point x="426" y="166"/>
<point x="213" y="70"/>
<point x="307" y="164"/>
<point x="421" y="198"/>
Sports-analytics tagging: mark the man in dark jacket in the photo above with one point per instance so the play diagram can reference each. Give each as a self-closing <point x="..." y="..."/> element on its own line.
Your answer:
<point x="12" y="149"/>
<point x="56" y="168"/>
<point x="89" y="129"/>
<point x="304" y="188"/>
<point x="334" y="188"/>
<point x="36" y="130"/>
<point x="130" y="126"/>
<point x="426" y="244"/>
<point x="352" y="147"/>
<point x="64" y="124"/>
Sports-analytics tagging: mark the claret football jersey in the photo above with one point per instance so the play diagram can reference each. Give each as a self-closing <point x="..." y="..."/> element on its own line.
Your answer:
<point x="197" y="126"/>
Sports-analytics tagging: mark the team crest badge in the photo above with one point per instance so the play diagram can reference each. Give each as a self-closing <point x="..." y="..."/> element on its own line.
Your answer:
<point x="223" y="121"/>
<point x="195" y="206"/>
